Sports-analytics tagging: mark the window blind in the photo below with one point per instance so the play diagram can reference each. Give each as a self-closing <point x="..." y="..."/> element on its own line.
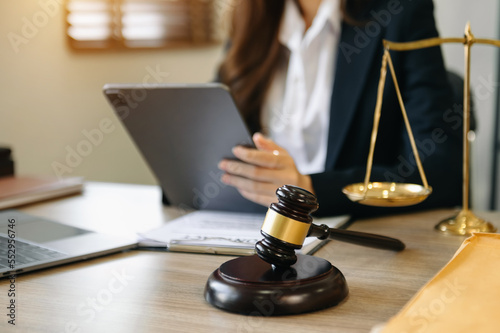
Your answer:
<point x="98" y="24"/>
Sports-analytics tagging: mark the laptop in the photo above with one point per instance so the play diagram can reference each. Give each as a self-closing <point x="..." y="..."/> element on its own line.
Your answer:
<point x="30" y="243"/>
<point x="183" y="131"/>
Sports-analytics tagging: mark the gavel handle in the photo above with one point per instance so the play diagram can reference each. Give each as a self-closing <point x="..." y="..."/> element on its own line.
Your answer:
<point x="356" y="237"/>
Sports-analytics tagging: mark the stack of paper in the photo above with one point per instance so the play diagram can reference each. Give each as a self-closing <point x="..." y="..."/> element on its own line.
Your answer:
<point x="220" y="233"/>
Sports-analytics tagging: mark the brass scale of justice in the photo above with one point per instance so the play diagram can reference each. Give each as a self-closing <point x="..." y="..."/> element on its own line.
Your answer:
<point x="276" y="280"/>
<point x="401" y="194"/>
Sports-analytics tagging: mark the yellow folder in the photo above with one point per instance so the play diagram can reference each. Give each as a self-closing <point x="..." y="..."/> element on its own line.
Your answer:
<point x="463" y="297"/>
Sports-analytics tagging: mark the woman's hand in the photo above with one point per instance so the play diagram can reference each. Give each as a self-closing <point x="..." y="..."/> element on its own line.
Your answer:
<point x="261" y="171"/>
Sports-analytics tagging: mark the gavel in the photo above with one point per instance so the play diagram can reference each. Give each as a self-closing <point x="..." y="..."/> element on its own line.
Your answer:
<point x="288" y="222"/>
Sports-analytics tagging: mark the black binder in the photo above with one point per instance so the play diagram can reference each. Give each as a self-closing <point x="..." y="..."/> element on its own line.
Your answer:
<point x="6" y="162"/>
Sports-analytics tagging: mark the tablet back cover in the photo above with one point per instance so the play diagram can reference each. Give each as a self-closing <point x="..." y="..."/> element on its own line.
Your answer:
<point x="183" y="131"/>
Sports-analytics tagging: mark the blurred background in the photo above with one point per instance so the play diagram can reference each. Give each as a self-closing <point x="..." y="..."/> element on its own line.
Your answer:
<point x="54" y="63"/>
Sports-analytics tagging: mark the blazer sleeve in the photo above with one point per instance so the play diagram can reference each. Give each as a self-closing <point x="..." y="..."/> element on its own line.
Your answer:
<point x="435" y="124"/>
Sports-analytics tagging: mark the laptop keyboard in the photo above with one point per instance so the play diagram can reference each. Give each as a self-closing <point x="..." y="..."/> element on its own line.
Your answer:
<point x="25" y="253"/>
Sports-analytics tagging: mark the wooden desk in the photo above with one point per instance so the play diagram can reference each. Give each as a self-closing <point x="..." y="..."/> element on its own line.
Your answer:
<point x="143" y="291"/>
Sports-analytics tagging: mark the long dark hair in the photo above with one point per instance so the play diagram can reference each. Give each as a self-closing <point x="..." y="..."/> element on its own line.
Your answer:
<point x="255" y="51"/>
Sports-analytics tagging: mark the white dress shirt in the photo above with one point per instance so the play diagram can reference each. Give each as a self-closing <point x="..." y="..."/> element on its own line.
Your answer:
<point x="296" y="110"/>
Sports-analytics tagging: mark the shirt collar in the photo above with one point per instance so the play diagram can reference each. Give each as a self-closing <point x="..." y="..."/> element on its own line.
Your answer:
<point x="292" y="24"/>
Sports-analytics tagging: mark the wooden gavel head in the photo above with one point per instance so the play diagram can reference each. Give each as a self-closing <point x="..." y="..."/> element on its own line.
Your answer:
<point x="286" y="225"/>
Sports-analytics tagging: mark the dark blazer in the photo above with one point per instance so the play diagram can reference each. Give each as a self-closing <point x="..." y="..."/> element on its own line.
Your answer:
<point x="435" y="121"/>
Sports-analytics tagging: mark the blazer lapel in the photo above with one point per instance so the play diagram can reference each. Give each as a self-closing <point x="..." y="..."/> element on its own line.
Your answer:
<point x="354" y="58"/>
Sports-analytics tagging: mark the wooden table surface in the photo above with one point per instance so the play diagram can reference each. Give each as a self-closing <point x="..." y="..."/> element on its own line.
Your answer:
<point x="153" y="291"/>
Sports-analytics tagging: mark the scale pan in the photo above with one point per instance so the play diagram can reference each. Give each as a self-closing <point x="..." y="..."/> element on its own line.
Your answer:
<point x="384" y="194"/>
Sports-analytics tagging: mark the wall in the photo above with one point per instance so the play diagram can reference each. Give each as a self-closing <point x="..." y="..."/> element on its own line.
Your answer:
<point x="51" y="97"/>
<point x="451" y="16"/>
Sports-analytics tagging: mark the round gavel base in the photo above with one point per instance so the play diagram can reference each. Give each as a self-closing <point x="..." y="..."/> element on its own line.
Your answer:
<point x="250" y="286"/>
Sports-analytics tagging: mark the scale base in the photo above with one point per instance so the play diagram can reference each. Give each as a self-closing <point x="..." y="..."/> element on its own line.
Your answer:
<point x="465" y="223"/>
<point x="251" y="286"/>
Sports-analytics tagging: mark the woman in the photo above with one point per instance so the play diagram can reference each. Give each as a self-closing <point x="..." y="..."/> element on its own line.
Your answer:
<point x="305" y="73"/>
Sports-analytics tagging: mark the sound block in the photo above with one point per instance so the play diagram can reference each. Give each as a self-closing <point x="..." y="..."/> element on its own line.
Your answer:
<point x="251" y="286"/>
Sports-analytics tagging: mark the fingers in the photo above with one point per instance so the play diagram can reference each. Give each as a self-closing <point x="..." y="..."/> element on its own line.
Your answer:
<point x="250" y="185"/>
<point x="262" y="199"/>
<point x="246" y="170"/>
<point x="263" y="143"/>
<point x="258" y="192"/>
<point x="268" y="154"/>
<point x="272" y="164"/>
<point x="259" y="172"/>
<point x="266" y="159"/>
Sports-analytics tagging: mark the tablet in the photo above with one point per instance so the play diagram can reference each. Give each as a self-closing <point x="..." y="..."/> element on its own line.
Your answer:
<point x="183" y="131"/>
